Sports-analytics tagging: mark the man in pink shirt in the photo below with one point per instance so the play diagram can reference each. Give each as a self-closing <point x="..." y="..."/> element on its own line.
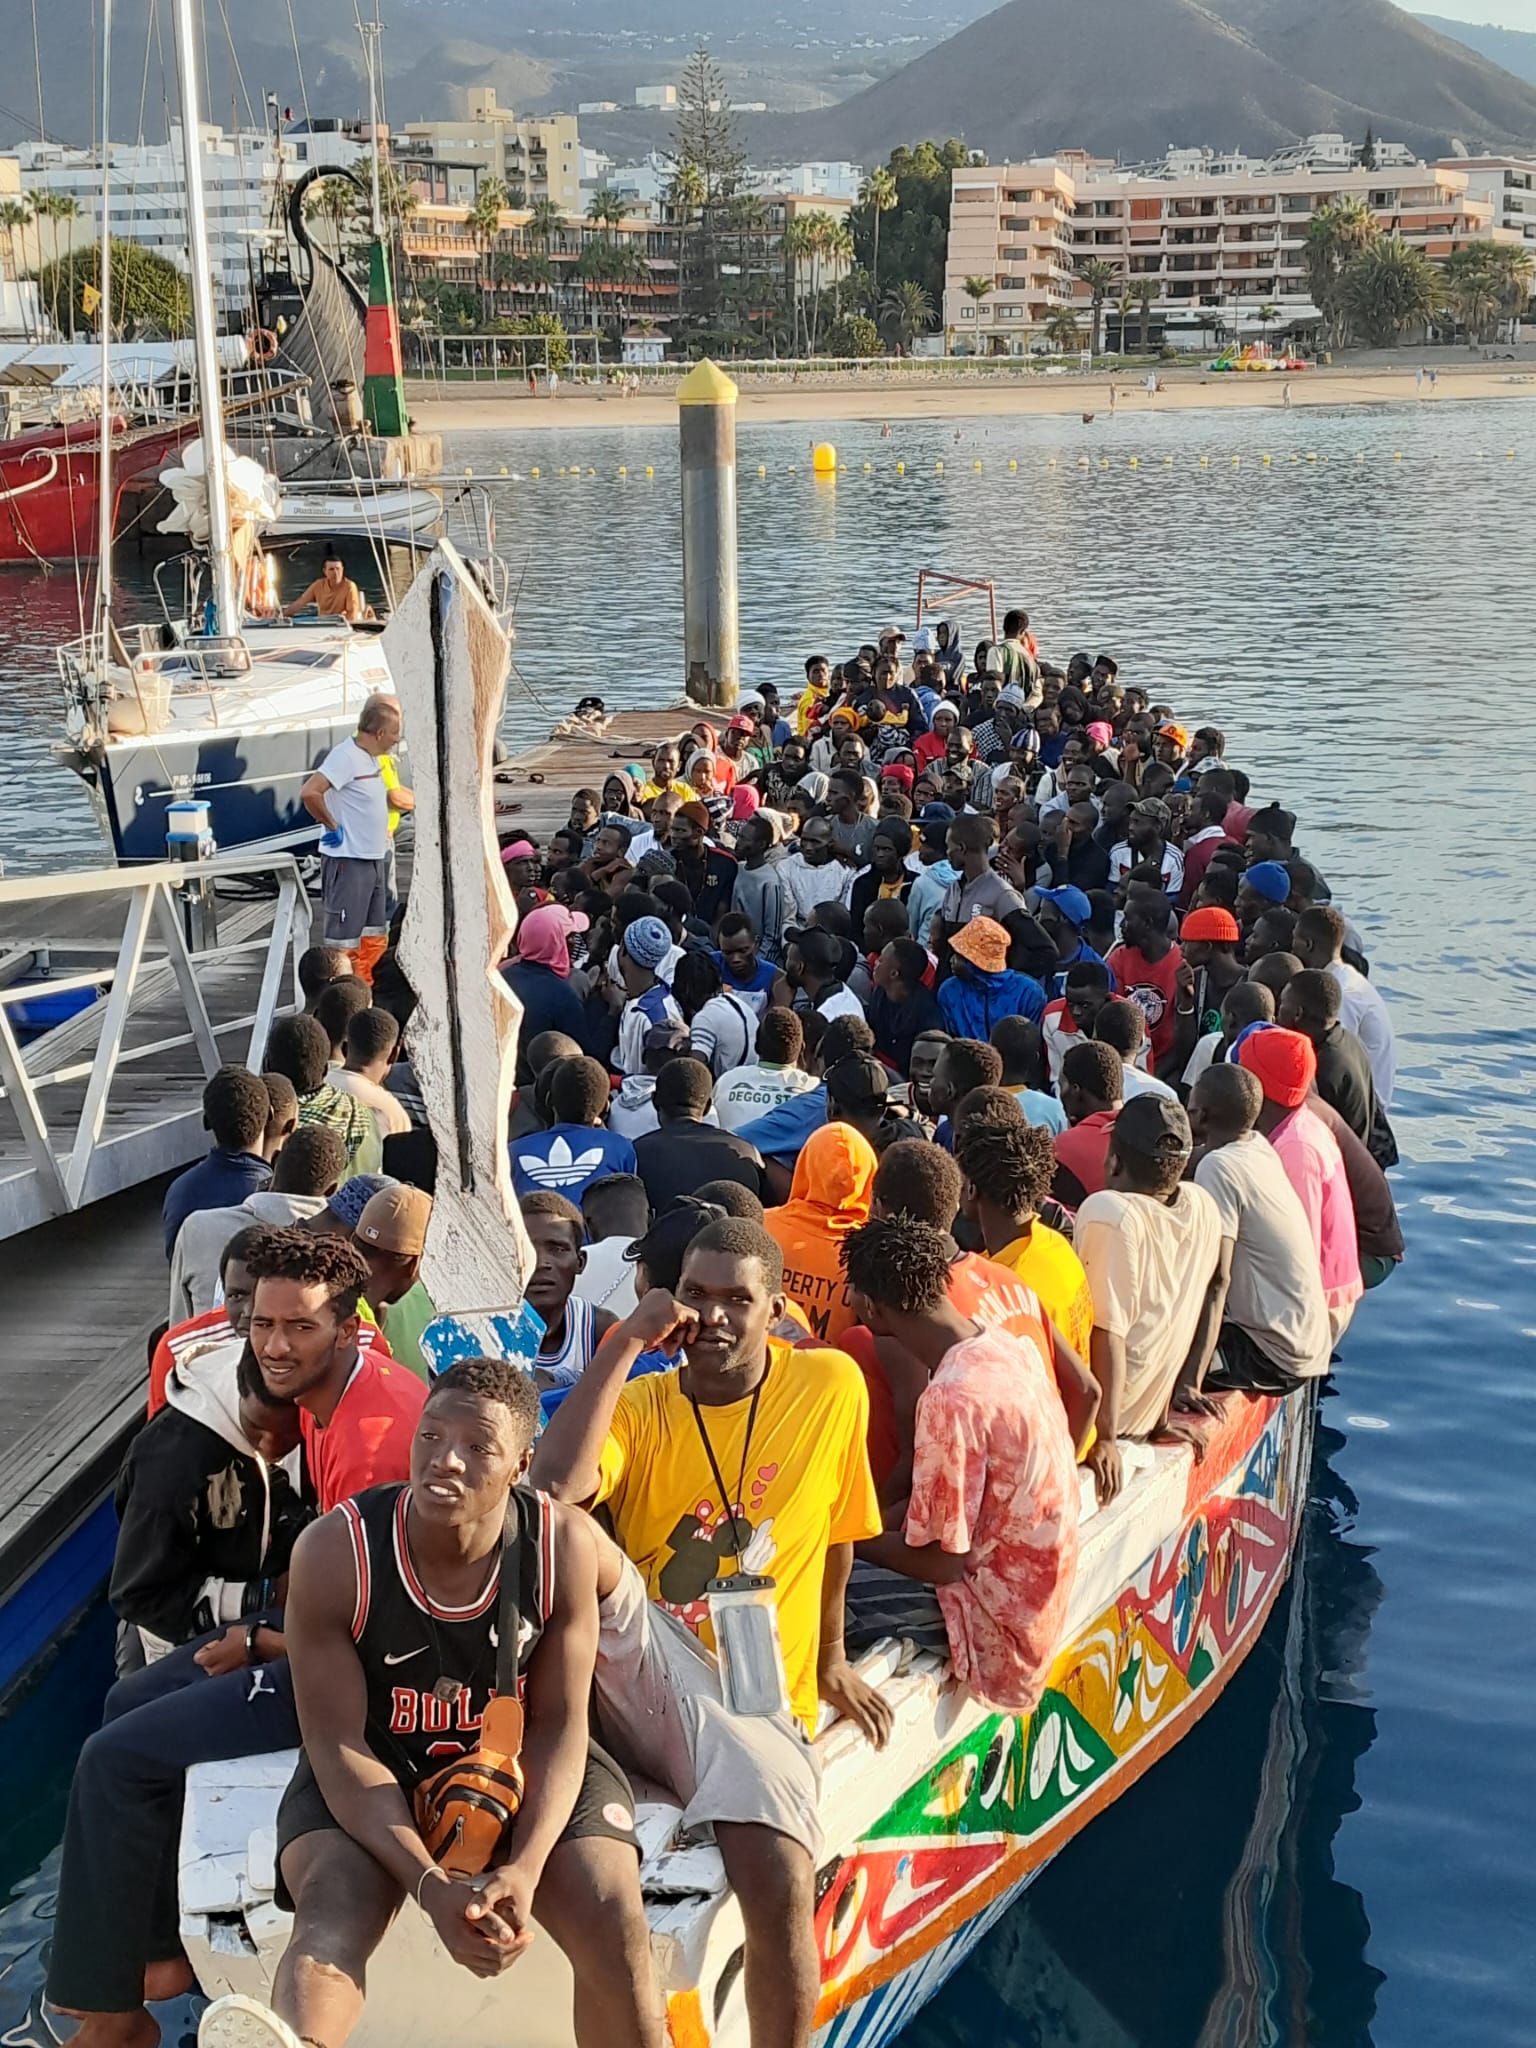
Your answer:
<point x="1285" y="1066"/>
<point x="991" y="1523"/>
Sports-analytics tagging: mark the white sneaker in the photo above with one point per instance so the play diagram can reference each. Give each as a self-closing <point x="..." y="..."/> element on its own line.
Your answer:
<point x="236" y="2021"/>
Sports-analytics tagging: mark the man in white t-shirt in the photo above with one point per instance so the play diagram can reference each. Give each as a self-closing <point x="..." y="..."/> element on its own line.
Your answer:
<point x="746" y="1093"/>
<point x="1319" y="941"/>
<point x="1151" y="1245"/>
<point x="348" y="797"/>
<point x="1275" y="1332"/>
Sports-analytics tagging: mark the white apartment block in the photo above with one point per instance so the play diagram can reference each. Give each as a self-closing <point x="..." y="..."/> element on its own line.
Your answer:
<point x="242" y="177"/>
<point x="1508" y="183"/>
<point x="1228" y="241"/>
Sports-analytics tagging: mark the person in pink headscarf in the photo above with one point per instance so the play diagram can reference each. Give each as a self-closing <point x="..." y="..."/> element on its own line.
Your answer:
<point x="543" y="937"/>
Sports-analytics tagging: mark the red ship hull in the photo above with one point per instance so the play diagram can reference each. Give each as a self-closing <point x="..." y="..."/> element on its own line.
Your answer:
<point x="50" y="484"/>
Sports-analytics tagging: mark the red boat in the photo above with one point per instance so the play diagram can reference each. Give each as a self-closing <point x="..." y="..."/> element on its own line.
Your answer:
<point x="49" y="479"/>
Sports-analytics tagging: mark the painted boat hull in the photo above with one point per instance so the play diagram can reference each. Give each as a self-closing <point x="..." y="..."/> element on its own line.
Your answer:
<point x="49" y="480"/>
<point x="250" y="781"/>
<point x="1175" y="1584"/>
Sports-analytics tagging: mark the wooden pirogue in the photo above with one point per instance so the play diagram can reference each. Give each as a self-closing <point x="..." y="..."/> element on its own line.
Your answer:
<point x="929" y="1840"/>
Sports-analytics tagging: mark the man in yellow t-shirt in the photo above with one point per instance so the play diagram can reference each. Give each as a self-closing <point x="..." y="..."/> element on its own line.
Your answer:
<point x="748" y="1457"/>
<point x="666" y="773"/>
<point x="1008" y="1166"/>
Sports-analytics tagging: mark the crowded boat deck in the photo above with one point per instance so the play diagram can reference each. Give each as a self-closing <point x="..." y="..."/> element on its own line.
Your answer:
<point x="908" y="1149"/>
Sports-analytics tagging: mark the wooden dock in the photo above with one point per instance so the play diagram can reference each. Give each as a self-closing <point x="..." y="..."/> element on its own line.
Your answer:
<point x="534" y="791"/>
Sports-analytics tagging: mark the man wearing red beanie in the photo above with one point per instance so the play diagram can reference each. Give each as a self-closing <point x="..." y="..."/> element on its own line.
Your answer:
<point x="1208" y="939"/>
<point x="1285" y="1067"/>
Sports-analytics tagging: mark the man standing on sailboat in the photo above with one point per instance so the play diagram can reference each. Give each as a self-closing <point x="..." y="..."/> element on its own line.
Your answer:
<point x="347" y="794"/>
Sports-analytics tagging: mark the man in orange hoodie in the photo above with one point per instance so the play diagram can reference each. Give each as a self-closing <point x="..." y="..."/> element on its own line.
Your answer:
<point x="828" y="1197"/>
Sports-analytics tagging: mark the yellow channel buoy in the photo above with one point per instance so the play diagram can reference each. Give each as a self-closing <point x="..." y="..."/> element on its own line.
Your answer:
<point x="824" y="459"/>
<point x="976" y="465"/>
<point x="762" y="469"/>
<point x="649" y="471"/>
<point x="1132" y="462"/>
<point x="1014" y="465"/>
<point x="622" y="470"/>
<point x="939" y="467"/>
<point x="535" y="475"/>
<point x="901" y="469"/>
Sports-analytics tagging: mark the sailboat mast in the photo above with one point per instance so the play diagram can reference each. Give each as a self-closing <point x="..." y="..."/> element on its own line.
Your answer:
<point x="210" y="397"/>
<point x="104" y="496"/>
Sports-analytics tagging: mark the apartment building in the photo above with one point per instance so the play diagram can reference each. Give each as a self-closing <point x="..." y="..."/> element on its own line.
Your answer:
<point x="439" y="244"/>
<point x="243" y="177"/>
<point x="1011" y="226"/>
<point x="1214" y="243"/>
<point x="1508" y="183"/>
<point x="534" y="156"/>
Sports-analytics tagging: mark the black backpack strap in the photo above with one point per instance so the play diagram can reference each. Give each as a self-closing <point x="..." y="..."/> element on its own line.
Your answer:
<point x="508" y="1615"/>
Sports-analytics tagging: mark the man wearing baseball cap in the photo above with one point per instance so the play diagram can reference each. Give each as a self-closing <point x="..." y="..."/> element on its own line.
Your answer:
<point x="391" y="1234"/>
<point x="1151" y="1245"/>
<point x="1062" y="915"/>
<point x="1286" y="1067"/>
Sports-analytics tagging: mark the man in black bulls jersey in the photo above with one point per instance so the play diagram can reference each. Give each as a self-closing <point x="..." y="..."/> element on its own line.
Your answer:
<point x="395" y="1600"/>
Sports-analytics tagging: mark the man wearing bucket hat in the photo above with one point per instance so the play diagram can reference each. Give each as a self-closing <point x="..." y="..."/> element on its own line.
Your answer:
<point x="983" y="988"/>
<point x="1286" y="1067"/>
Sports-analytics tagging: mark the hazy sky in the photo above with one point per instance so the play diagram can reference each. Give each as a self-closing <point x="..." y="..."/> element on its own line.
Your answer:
<point x="1507" y="13"/>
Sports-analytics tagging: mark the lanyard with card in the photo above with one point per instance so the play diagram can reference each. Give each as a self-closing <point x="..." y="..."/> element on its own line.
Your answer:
<point x="744" y="1608"/>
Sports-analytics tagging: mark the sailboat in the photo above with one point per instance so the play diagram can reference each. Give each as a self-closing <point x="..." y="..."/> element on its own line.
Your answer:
<point x="211" y="702"/>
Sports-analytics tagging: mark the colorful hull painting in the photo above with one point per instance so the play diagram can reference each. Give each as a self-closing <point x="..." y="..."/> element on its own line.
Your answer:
<point x="929" y="1879"/>
<point x="1175" y="1582"/>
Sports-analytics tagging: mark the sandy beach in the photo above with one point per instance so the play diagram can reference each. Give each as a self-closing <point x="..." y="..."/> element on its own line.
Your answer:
<point x="834" y="395"/>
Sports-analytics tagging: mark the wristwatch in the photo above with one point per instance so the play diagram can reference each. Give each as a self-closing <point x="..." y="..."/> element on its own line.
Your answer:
<point x="252" y="1629"/>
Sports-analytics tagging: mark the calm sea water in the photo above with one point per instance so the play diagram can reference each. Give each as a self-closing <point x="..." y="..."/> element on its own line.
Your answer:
<point x="1339" y="1854"/>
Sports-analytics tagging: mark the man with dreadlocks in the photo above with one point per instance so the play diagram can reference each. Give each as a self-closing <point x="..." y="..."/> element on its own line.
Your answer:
<point x="1008" y="1166"/>
<point x="991" y="1524"/>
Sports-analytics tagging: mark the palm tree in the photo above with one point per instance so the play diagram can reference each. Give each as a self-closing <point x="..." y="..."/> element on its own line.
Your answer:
<point x="908" y="310"/>
<point x="837" y="249"/>
<point x="545" y="220"/>
<point x="1062" y="331"/>
<point x="628" y="272"/>
<point x="879" y="194"/>
<point x="54" y="207"/>
<point x="1101" y="279"/>
<point x="799" y="247"/>
<point x="1144" y="290"/>
<point x="1487" y="282"/>
<point x="1387" y="289"/>
<point x="1337" y="233"/>
<point x="606" y="208"/>
<point x="976" y="289"/>
<point x="483" y="220"/>
<point x="1267" y="316"/>
<point x="15" y="215"/>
